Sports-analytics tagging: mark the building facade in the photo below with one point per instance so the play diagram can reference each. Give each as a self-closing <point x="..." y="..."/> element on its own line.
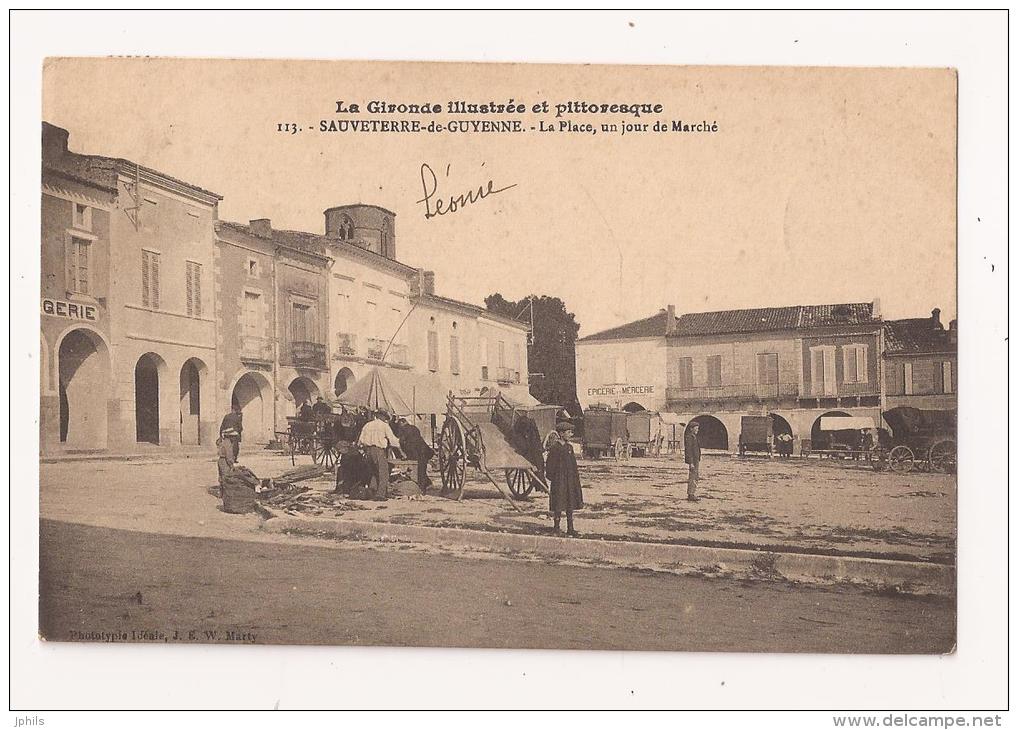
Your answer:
<point x="921" y="363"/>
<point x="794" y="364"/>
<point x="141" y="245"/>
<point x="304" y="315"/>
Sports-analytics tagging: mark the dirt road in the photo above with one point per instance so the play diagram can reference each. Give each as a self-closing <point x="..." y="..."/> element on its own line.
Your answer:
<point x="105" y="583"/>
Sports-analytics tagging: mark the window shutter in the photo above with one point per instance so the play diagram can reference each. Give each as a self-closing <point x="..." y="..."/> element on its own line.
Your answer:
<point x="861" y="367"/>
<point x="197" y="290"/>
<point x="948" y="371"/>
<point x="71" y="262"/>
<point x="154" y="280"/>
<point x="145" y="283"/>
<point x="817" y="371"/>
<point x="938" y="378"/>
<point x="830" y="378"/>
<point x="189" y="284"/>
<point x="84" y="263"/>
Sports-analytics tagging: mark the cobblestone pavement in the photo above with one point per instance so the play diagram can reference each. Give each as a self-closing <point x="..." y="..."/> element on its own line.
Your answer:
<point x="797" y="505"/>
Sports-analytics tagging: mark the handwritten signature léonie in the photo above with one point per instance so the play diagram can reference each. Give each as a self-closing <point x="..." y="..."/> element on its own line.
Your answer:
<point x="436" y="204"/>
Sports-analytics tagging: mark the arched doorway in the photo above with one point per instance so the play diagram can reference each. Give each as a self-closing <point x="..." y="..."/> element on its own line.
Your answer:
<point x="251" y="395"/>
<point x="146" y="397"/>
<point x="190" y="401"/>
<point x="303" y="391"/>
<point x="712" y="434"/>
<point x="344" y="379"/>
<point x="823" y="439"/>
<point x="780" y="425"/>
<point x="84" y="388"/>
<point x="633" y="407"/>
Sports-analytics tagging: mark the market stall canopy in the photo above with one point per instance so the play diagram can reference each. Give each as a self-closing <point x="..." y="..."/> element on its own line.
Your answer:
<point x="374" y="391"/>
<point x="523" y="399"/>
<point x="845" y="423"/>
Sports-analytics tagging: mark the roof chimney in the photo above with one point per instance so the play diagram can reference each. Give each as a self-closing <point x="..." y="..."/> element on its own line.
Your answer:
<point x="952" y="332"/>
<point x="670" y="321"/>
<point x="262" y="227"/>
<point x="875" y="309"/>
<point x="935" y="319"/>
<point x="428" y="282"/>
<point x="54" y="141"/>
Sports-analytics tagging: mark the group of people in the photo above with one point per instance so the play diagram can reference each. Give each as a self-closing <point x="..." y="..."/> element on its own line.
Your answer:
<point x="367" y="466"/>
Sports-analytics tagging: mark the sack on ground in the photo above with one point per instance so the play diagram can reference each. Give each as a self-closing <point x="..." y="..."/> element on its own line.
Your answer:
<point x="238" y="497"/>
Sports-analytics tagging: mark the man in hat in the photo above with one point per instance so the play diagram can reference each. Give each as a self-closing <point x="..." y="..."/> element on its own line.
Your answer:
<point x="321" y="408"/>
<point x="691" y="447"/>
<point x="375" y="438"/>
<point x="563" y="478"/>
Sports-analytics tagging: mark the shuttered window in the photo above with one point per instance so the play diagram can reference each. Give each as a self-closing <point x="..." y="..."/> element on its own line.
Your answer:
<point x="193" y="274"/>
<point x="714" y="371"/>
<point x="454" y="354"/>
<point x="908" y="378"/>
<point x="150" y="279"/>
<point x="948" y="376"/>
<point x="685" y="373"/>
<point x="300" y="325"/>
<point x="767" y="368"/>
<point x="77" y="258"/>
<point x="854" y="363"/>
<point x="822" y="373"/>
<point x="432" y="351"/>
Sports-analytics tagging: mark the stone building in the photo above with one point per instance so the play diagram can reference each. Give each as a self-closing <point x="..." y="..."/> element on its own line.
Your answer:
<point x="795" y="364"/>
<point x="128" y="348"/>
<point x="921" y="363"/>
<point x="306" y="314"/>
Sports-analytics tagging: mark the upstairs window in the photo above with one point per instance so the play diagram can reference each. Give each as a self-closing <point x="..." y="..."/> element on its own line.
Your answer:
<point x="454" y="354"/>
<point x="854" y="363"/>
<point x="685" y="373"/>
<point x="714" y="371"/>
<point x="150" y="279"/>
<point x="82" y="217"/>
<point x="767" y="368"/>
<point x="193" y="288"/>
<point x="432" y="351"/>
<point x="78" y="259"/>
<point x="948" y="376"/>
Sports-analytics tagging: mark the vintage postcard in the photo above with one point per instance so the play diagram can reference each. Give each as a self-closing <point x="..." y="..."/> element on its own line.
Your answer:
<point x="498" y="355"/>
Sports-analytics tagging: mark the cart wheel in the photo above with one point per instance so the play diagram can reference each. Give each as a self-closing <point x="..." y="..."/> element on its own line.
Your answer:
<point x="452" y="457"/>
<point x="519" y="481"/>
<point x="329" y="456"/>
<point x="901" y="459"/>
<point x="293" y="451"/>
<point x="943" y="457"/>
<point x="316" y="453"/>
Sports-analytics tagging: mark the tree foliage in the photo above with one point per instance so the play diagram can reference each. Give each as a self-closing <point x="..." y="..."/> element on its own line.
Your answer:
<point x="551" y="354"/>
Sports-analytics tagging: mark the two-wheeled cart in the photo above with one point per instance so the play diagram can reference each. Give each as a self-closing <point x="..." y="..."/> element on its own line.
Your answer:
<point x="477" y="432"/>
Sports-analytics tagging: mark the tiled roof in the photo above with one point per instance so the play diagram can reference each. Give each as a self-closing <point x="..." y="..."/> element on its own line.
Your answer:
<point x="904" y="336"/>
<point x="743" y="320"/>
<point x="653" y="326"/>
<point x="102" y="170"/>
<point x="315" y="243"/>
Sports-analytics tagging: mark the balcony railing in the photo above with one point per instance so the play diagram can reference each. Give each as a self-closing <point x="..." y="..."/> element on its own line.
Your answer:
<point x="346" y="344"/>
<point x="256" y="349"/>
<point x="738" y="391"/>
<point x="374" y="349"/>
<point x="309" y="355"/>
<point x="398" y="355"/>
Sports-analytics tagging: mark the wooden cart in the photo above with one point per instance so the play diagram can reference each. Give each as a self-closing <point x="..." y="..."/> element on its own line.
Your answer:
<point x="605" y="432"/>
<point x="922" y="439"/>
<point x="476" y="433"/>
<point x="323" y="438"/>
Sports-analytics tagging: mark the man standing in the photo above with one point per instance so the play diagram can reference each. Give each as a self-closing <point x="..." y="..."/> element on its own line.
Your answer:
<point x="564" y="479"/>
<point x="232" y="427"/>
<point x="376" y="437"/>
<point x="691" y="446"/>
